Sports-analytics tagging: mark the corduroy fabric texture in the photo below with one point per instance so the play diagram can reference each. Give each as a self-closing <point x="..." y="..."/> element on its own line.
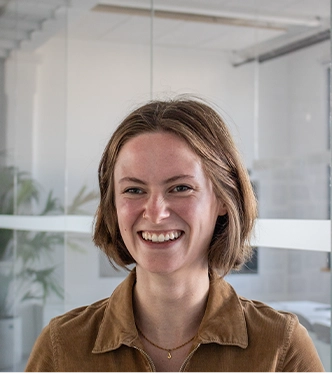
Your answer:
<point x="235" y="335"/>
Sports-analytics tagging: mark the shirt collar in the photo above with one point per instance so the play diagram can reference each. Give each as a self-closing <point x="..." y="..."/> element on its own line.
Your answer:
<point x="223" y="321"/>
<point x="118" y="323"/>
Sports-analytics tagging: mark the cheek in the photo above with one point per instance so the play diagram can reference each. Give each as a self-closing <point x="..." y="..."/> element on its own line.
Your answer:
<point x="184" y="208"/>
<point x="127" y="211"/>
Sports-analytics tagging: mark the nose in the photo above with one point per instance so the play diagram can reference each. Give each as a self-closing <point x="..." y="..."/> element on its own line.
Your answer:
<point x="156" y="209"/>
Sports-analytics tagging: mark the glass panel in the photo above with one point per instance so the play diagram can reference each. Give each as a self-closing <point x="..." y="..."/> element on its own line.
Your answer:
<point x="32" y="173"/>
<point x="293" y="160"/>
<point x="271" y="82"/>
<point x="292" y="172"/>
<point x="109" y="72"/>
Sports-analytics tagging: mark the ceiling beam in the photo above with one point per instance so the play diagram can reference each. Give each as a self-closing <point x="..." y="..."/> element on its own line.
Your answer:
<point x="281" y="46"/>
<point x="234" y="20"/>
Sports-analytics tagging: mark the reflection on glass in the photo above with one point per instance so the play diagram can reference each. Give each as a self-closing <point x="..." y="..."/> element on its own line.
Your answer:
<point x="294" y="189"/>
<point x="32" y="154"/>
<point x="293" y="121"/>
<point x="109" y="65"/>
<point x="31" y="283"/>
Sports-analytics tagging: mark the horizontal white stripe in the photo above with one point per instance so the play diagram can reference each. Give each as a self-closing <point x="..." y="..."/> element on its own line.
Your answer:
<point x="312" y="235"/>
<point x="63" y="223"/>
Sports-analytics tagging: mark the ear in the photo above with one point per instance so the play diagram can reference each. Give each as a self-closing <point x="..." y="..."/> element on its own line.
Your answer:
<point x="222" y="209"/>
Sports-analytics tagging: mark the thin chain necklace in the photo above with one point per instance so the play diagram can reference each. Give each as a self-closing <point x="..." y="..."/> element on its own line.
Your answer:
<point x="168" y="350"/>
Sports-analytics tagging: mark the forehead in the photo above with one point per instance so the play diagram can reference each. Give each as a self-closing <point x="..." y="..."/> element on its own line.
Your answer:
<point x="152" y="151"/>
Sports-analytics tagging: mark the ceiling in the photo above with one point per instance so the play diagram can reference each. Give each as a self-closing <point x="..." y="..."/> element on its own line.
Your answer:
<point x="245" y="28"/>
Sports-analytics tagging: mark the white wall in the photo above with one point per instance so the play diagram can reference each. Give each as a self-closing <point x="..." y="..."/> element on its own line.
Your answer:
<point x="211" y="75"/>
<point x="3" y="129"/>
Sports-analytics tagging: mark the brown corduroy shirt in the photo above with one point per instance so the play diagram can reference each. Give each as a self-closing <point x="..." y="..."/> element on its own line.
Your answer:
<point x="235" y="334"/>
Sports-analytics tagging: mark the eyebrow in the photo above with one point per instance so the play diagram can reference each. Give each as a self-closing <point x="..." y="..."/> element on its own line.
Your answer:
<point x="168" y="180"/>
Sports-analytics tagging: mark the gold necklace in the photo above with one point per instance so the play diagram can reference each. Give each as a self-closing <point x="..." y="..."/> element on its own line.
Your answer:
<point x="168" y="350"/>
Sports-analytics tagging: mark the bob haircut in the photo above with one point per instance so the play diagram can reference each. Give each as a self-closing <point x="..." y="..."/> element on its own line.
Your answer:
<point x="207" y="135"/>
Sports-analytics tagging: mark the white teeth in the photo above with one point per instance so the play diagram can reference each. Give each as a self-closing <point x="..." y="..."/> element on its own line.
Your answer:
<point x="146" y="236"/>
<point x="161" y="238"/>
<point x="154" y="238"/>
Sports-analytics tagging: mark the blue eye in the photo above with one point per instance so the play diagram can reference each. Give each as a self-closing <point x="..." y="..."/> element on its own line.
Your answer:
<point x="133" y="190"/>
<point x="182" y="188"/>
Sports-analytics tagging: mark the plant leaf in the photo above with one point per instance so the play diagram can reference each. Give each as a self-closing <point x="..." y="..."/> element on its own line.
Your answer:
<point x="80" y="199"/>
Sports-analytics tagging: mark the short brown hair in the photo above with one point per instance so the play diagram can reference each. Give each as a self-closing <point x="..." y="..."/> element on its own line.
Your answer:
<point x="208" y="136"/>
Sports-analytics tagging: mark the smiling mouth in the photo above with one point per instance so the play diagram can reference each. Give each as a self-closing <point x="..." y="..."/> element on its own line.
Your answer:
<point x="160" y="238"/>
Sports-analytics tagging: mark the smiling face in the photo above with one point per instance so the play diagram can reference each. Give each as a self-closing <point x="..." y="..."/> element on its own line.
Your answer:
<point x="166" y="206"/>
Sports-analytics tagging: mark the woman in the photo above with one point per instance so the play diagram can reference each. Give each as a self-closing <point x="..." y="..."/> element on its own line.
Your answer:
<point x="177" y="202"/>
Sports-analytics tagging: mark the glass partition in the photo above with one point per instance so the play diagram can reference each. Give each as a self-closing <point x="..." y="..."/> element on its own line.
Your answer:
<point x="270" y="78"/>
<point x="71" y="70"/>
<point x="293" y="129"/>
<point x="109" y="72"/>
<point x="32" y="173"/>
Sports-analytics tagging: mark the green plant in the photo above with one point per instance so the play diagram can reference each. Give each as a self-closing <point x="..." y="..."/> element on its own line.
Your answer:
<point x="17" y="192"/>
<point x="83" y="197"/>
<point x="28" y="273"/>
<point x="6" y="279"/>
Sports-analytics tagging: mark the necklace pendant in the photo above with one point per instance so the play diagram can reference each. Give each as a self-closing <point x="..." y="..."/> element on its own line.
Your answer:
<point x="169" y="356"/>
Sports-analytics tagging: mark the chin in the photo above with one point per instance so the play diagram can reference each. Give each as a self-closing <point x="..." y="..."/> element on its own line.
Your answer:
<point x="160" y="268"/>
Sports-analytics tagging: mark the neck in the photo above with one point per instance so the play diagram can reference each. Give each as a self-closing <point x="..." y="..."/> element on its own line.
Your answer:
<point x="169" y="309"/>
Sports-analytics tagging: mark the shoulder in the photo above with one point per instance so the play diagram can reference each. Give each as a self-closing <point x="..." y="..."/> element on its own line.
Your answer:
<point x="74" y="328"/>
<point x="91" y="313"/>
<point x="266" y="323"/>
<point x="254" y="312"/>
<point x="282" y="332"/>
<point x="256" y="321"/>
<point x="78" y="326"/>
<point x="258" y="310"/>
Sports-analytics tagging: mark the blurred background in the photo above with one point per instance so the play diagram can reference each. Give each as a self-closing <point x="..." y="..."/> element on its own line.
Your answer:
<point x="69" y="73"/>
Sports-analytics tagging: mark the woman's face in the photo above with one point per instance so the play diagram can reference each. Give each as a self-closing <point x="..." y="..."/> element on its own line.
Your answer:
<point x="165" y="204"/>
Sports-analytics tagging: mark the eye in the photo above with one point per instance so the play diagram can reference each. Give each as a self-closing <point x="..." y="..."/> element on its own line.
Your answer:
<point x="181" y="188"/>
<point x="133" y="191"/>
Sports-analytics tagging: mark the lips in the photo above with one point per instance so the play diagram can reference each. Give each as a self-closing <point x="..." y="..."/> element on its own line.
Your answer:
<point x="162" y="237"/>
